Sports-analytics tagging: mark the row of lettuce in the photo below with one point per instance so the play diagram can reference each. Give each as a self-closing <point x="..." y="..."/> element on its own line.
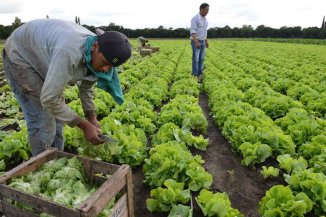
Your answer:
<point x="266" y="109"/>
<point x="161" y="105"/>
<point x="268" y="100"/>
<point x="154" y="128"/>
<point x="9" y="108"/>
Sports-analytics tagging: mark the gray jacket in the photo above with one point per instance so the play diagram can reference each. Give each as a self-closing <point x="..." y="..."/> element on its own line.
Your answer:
<point x="55" y="50"/>
<point x="141" y="39"/>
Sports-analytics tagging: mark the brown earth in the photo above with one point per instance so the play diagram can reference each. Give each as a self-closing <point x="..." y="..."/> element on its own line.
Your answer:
<point x="245" y="186"/>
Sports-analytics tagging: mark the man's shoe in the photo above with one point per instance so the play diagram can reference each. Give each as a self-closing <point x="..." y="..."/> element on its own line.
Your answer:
<point x="200" y="78"/>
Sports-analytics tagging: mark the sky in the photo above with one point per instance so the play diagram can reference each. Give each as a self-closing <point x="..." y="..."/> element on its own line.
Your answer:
<point x="174" y="14"/>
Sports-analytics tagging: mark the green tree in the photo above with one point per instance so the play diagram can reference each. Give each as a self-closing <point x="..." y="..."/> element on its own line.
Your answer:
<point x="246" y="31"/>
<point x="17" y="23"/>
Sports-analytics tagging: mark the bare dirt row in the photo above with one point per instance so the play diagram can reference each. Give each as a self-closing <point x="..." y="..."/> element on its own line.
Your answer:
<point x="245" y="186"/>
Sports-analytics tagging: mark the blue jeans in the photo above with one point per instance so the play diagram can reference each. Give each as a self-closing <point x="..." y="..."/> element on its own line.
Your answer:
<point x="198" y="55"/>
<point x="44" y="131"/>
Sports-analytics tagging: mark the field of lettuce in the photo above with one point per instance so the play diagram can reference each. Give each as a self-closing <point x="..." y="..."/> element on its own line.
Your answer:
<point x="250" y="140"/>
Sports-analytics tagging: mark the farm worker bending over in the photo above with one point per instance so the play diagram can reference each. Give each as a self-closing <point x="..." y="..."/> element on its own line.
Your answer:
<point x="142" y="41"/>
<point x="43" y="56"/>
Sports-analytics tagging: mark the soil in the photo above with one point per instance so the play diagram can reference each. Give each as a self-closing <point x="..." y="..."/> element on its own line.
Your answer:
<point x="245" y="186"/>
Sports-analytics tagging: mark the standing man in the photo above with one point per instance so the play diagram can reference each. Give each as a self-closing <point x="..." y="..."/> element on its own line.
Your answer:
<point x="43" y="56"/>
<point x="198" y="36"/>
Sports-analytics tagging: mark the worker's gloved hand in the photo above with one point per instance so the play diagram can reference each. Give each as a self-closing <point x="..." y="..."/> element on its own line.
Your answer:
<point x="91" y="132"/>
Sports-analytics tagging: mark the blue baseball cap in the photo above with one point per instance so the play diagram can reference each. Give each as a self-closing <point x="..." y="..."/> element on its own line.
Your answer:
<point x="115" y="47"/>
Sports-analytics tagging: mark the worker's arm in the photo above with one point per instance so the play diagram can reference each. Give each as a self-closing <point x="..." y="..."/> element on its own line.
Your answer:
<point x="194" y="38"/>
<point x="93" y="120"/>
<point x="60" y="72"/>
<point x="193" y="30"/>
<point x="86" y="95"/>
<point x="91" y="132"/>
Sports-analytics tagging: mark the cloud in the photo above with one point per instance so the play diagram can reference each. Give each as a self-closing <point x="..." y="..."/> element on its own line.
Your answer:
<point x="11" y="6"/>
<point x="57" y="10"/>
<point x="247" y="15"/>
<point x="168" y="13"/>
<point x="233" y="13"/>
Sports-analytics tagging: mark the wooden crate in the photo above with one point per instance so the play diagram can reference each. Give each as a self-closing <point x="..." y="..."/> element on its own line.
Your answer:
<point x="145" y="52"/>
<point x="155" y="49"/>
<point x="120" y="183"/>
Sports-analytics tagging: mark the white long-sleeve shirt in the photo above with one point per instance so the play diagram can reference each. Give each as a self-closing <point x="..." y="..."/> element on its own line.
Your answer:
<point x="199" y="26"/>
<point x="55" y="50"/>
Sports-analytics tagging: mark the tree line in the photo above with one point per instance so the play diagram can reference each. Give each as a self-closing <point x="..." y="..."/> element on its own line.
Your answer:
<point x="246" y="31"/>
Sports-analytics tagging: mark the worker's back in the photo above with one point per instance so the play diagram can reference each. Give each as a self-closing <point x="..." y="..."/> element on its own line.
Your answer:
<point x="142" y="41"/>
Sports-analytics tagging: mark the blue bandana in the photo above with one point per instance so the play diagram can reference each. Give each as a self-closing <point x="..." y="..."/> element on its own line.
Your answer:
<point x="107" y="81"/>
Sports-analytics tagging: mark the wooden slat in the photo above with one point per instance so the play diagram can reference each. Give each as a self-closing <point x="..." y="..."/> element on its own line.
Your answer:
<point x="88" y="171"/>
<point x="120" y="181"/>
<point x="130" y="188"/>
<point x="62" y="154"/>
<point x="92" y="166"/>
<point x="120" y="208"/>
<point x="30" y="165"/>
<point x="12" y="211"/>
<point x="103" y="167"/>
<point x="124" y="213"/>
<point x="36" y="202"/>
<point x="1" y="206"/>
<point x="98" y="180"/>
<point x="98" y="200"/>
